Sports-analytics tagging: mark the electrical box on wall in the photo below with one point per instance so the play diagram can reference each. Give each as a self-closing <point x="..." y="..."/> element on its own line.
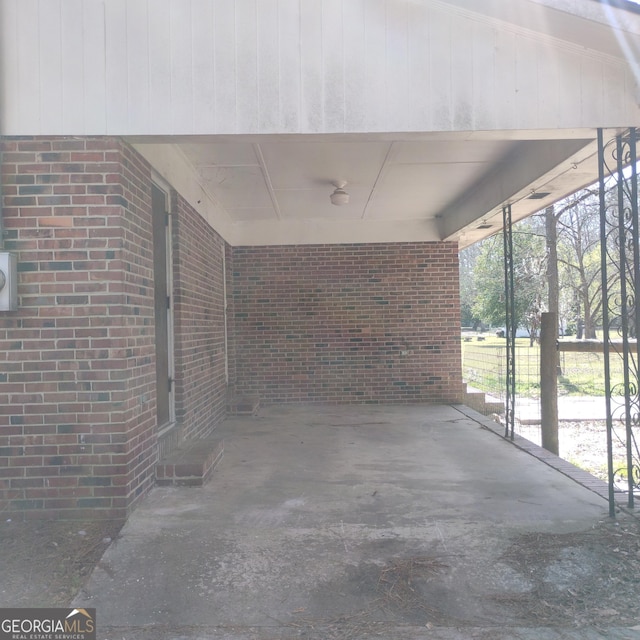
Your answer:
<point x="8" y="281"/>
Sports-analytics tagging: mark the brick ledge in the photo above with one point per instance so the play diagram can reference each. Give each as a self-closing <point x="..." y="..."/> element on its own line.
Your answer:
<point x="559" y="464"/>
<point x="191" y="464"/>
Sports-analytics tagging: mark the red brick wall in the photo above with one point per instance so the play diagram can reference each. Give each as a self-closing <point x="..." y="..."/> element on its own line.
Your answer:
<point x="368" y="323"/>
<point x="198" y="253"/>
<point x="376" y="323"/>
<point x="131" y="340"/>
<point x="78" y="432"/>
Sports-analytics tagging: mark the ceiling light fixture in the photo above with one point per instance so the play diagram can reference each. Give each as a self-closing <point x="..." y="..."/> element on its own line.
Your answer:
<point x="339" y="197"/>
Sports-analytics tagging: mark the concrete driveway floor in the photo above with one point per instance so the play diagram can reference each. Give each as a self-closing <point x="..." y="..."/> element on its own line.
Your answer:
<point x="357" y="522"/>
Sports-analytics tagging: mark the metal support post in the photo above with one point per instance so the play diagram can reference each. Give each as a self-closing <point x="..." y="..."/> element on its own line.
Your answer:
<point x="620" y="267"/>
<point x="549" y="382"/>
<point x="510" y="327"/>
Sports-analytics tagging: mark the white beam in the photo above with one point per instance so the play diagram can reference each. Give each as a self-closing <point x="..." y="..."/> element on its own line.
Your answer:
<point x="523" y="166"/>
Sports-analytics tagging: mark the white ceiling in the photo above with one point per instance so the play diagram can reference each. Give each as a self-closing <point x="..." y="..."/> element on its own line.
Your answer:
<point x="413" y="186"/>
<point x="398" y="180"/>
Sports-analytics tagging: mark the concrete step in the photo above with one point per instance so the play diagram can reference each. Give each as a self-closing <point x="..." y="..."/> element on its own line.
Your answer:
<point x="474" y="399"/>
<point x="243" y="405"/>
<point x="493" y="406"/>
<point x="191" y="464"/>
<point x="477" y="400"/>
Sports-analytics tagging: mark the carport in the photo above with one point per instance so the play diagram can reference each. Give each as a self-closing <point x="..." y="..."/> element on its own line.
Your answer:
<point x="365" y="522"/>
<point x="168" y="169"/>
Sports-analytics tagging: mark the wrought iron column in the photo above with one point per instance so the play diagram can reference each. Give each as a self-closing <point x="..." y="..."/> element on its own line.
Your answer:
<point x="620" y="264"/>
<point x="633" y="466"/>
<point x="510" y="327"/>
<point x="605" y="320"/>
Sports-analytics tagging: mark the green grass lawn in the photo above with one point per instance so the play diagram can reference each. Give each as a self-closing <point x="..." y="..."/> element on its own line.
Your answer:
<point x="484" y="367"/>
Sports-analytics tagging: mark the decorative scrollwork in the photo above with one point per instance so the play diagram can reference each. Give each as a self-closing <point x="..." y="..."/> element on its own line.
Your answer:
<point x="620" y="260"/>
<point x="621" y="477"/>
<point x="619" y="150"/>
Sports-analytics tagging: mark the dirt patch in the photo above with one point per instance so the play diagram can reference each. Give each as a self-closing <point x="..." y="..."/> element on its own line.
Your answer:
<point x="396" y="592"/>
<point x="44" y="563"/>
<point x="399" y="583"/>
<point x="562" y="581"/>
<point x="578" y="579"/>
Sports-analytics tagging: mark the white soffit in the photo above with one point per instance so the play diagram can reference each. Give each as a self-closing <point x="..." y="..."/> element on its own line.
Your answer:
<point x="415" y="191"/>
<point x="428" y="187"/>
<point x="296" y="165"/>
<point x="236" y="186"/>
<point x="286" y="183"/>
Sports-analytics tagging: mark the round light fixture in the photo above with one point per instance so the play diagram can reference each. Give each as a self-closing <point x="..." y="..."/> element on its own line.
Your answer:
<point x="339" y="197"/>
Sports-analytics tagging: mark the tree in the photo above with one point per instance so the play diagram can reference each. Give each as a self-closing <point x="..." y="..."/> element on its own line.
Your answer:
<point x="553" y="278"/>
<point x="558" y="251"/>
<point x="468" y="292"/>
<point x="529" y="266"/>
<point x="579" y="257"/>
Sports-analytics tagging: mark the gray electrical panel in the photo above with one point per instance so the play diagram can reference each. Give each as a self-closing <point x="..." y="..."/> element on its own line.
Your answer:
<point x="8" y="281"/>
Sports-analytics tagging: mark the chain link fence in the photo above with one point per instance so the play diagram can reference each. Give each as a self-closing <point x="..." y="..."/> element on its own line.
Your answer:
<point x="484" y="368"/>
<point x="581" y="402"/>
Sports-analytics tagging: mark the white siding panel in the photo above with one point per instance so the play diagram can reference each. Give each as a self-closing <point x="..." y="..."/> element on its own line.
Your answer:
<point x="94" y="71"/>
<point x="311" y="66"/>
<point x="591" y="91"/>
<point x="613" y="94"/>
<point x="160" y="90"/>
<point x="268" y="65"/>
<point x="375" y="63"/>
<point x="262" y="66"/>
<point x="397" y="65"/>
<point x="224" y="34"/>
<point x="28" y="50"/>
<point x="548" y="83"/>
<point x="247" y="65"/>
<point x="204" y="112"/>
<point x="181" y="67"/>
<point x="73" y="107"/>
<point x="138" y="65"/>
<point x="50" y="66"/>
<point x="484" y="80"/>
<point x="526" y="83"/>
<point x="631" y="88"/>
<point x="440" y="39"/>
<point x="419" y="111"/>
<point x="116" y="51"/>
<point x="505" y="73"/>
<point x="333" y="72"/>
<point x="353" y="13"/>
<point x="289" y="64"/>
<point x="462" y="81"/>
<point x="631" y="96"/>
<point x="569" y="89"/>
<point x="9" y="109"/>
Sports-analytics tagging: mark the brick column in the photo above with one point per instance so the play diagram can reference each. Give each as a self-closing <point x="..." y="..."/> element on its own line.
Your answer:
<point x="77" y="398"/>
